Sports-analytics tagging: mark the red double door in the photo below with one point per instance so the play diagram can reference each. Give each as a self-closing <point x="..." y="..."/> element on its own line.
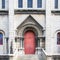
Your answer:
<point x="29" y="42"/>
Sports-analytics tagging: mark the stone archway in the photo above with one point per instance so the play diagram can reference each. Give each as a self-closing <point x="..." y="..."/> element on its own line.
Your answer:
<point x="30" y="24"/>
<point x="30" y="34"/>
<point x="29" y="28"/>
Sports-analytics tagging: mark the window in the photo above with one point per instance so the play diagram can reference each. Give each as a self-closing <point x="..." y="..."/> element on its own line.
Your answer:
<point x="1" y="38"/>
<point x="58" y="38"/>
<point x="39" y="3"/>
<point x="3" y="4"/>
<point x="29" y="3"/>
<point x="56" y="3"/>
<point x="20" y="3"/>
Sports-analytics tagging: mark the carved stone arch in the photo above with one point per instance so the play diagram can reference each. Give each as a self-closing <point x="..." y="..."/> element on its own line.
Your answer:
<point x="32" y="29"/>
<point x="1" y="31"/>
<point x="55" y="36"/>
<point x="55" y="33"/>
<point x="29" y="23"/>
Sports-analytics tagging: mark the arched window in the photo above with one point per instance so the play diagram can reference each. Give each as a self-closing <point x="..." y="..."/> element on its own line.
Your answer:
<point x="1" y="38"/>
<point x="58" y="38"/>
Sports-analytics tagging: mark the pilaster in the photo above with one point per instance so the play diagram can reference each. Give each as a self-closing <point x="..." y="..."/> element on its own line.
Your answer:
<point x="11" y="24"/>
<point x="48" y="28"/>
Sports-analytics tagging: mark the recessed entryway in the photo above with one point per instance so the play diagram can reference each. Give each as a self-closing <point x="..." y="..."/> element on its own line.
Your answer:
<point x="29" y="42"/>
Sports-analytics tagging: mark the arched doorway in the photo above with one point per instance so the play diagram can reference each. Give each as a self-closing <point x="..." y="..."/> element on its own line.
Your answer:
<point x="29" y="42"/>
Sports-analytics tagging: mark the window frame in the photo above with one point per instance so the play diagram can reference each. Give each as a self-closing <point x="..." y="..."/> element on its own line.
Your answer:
<point x="20" y="3"/>
<point x="1" y="31"/>
<point x="3" y="4"/>
<point x="1" y="42"/>
<point x="39" y="3"/>
<point x="29" y="4"/>
<point x="56" y="4"/>
<point x="58" y="38"/>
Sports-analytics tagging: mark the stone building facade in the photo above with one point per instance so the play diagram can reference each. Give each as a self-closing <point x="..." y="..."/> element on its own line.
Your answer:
<point x="42" y="17"/>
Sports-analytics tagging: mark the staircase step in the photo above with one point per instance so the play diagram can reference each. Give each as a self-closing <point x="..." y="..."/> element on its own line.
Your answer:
<point x="27" y="57"/>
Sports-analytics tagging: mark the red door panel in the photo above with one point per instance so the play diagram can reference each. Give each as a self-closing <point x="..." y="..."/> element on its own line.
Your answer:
<point x="29" y="43"/>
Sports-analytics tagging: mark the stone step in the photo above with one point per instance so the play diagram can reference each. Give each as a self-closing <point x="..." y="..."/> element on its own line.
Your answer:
<point x="27" y="57"/>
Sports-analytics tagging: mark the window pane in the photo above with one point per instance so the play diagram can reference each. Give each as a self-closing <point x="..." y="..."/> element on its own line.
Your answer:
<point x="56" y="3"/>
<point x="30" y="3"/>
<point x="1" y="38"/>
<point x="39" y="3"/>
<point x="3" y="3"/>
<point x="20" y="3"/>
<point x="58" y="38"/>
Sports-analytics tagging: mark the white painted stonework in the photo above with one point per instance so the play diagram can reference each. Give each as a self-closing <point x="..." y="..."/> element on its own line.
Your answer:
<point x="43" y="22"/>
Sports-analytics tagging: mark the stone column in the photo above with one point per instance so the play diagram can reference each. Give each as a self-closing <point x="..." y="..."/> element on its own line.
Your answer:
<point x="48" y="42"/>
<point x="41" y="42"/>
